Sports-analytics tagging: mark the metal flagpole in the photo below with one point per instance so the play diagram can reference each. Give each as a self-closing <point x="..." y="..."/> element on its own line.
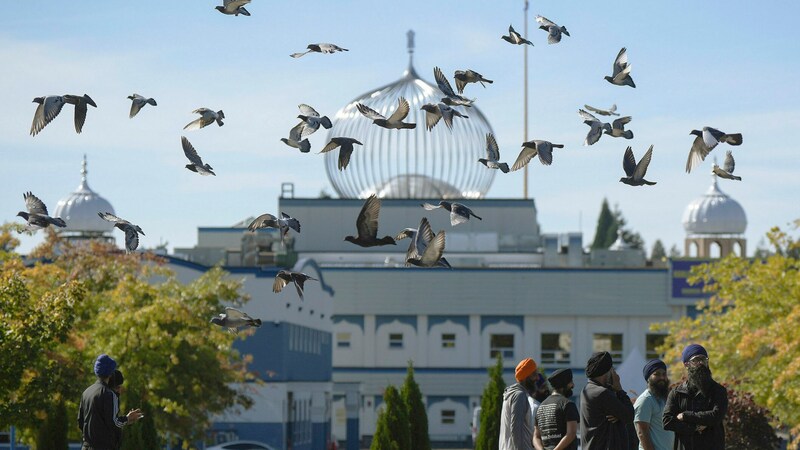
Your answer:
<point x="525" y="96"/>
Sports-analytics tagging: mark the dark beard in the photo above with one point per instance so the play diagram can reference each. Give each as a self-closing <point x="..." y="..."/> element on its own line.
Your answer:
<point x="566" y="392"/>
<point x="699" y="379"/>
<point x="659" y="389"/>
<point x="540" y="396"/>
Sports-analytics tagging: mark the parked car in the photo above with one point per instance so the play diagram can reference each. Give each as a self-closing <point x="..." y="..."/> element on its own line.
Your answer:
<point x="241" y="445"/>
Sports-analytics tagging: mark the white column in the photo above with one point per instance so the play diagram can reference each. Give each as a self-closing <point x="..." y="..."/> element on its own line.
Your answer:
<point x="475" y="341"/>
<point x="530" y="336"/>
<point x="369" y="341"/>
<point x="421" y="357"/>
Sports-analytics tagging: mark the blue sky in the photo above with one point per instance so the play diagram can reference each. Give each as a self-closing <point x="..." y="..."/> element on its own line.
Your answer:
<point x="730" y="65"/>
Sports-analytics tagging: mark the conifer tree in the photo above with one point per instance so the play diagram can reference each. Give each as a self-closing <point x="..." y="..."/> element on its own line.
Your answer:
<point x="658" y="251"/>
<point x="382" y="439"/>
<point x="491" y="408"/>
<point x="397" y="418"/>
<point x="604" y="222"/>
<point x="415" y="408"/>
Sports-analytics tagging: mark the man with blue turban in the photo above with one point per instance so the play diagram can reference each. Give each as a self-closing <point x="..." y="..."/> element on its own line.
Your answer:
<point x="649" y="408"/>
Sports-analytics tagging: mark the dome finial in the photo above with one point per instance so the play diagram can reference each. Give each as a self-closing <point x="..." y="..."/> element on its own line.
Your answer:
<point x="84" y="186"/>
<point x="410" y="46"/>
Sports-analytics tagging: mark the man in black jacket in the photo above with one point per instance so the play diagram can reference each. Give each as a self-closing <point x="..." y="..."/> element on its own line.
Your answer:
<point x="606" y="410"/>
<point x="97" y="416"/>
<point x="696" y="408"/>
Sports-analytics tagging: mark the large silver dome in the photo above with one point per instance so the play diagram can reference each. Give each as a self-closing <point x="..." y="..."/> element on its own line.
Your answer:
<point x="714" y="213"/>
<point x="79" y="209"/>
<point x="410" y="163"/>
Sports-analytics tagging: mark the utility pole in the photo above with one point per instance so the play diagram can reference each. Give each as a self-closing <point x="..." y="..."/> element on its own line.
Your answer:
<point x="525" y="96"/>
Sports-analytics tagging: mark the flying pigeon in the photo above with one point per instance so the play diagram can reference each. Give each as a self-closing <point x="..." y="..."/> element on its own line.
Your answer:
<point x="458" y="213"/>
<point x="596" y="127"/>
<point x="37" y="216"/>
<point x="207" y="117"/>
<point x="603" y="112"/>
<point x="412" y="247"/>
<point x="285" y="277"/>
<point x="138" y="103"/>
<point x="233" y="320"/>
<point x="621" y="75"/>
<point x="727" y="168"/>
<point x="530" y="149"/>
<point x="320" y="48"/>
<point x="553" y="31"/>
<point x="269" y="221"/>
<point x="706" y="141"/>
<point x="81" y="107"/>
<point x="367" y="225"/>
<point x="346" y="149"/>
<point x="433" y="113"/>
<point x="617" y="128"/>
<point x="395" y="121"/>
<point x="635" y="172"/>
<point x="296" y="138"/>
<point x="492" y="159"/>
<point x="312" y="120"/>
<point x="233" y="7"/>
<point x="463" y="77"/>
<point x="515" y="38"/>
<point x="196" y="165"/>
<point x="131" y="231"/>
<point x="48" y="109"/>
<point x="451" y="98"/>
<point x="427" y="248"/>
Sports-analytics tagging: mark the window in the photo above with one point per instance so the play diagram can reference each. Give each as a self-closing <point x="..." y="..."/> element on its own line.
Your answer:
<point x="556" y="348"/>
<point x="653" y="341"/>
<point x="396" y="340"/>
<point x="608" y="342"/>
<point x="343" y="340"/>
<point x="448" y="416"/>
<point x="448" y="340"/>
<point x="501" y="344"/>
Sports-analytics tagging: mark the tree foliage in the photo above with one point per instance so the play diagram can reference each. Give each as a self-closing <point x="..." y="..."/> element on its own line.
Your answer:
<point x="658" y="251"/>
<point x="491" y="408"/>
<point x="747" y="425"/>
<point x="631" y="237"/>
<point x="605" y="221"/>
<point x="416" y="411"/>
<point x="382" y="440"/>
<point x="750" y="326"/>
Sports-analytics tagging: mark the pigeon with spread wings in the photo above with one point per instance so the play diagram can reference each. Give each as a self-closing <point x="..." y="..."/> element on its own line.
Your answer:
<point x="458" y="213"/>
<point x="367" y="225"/>
<point x="428" y="248"/>
<point x="705" y="141"/>
<point x="492" y="159"/>
<point x="451" y="98"/>
<point x="515" y="38"/>
<point x="463" y="77"/>
<point x="621" y="70"/>
<point x="285" y="277"/>
<point x="196" y="163"/>
<point x="37" y="216"/>
<point x="131" y="231"/>
<point x="324" y="48"/>
<point x="207" y="117"/>
<point x="395" y="121"/>
<point x="233" y="320"/>
<point x="634" y="173"/>
<point x="233" y="7"/>
<point x="554" y="31"/>
<point x="345" y="145"/>
<point x="596" y="127"/>
<point x="726" y="171"/>
<point x="531" y="149"/>
<point x="269" y="221"/>
<point x="138" y="102"/>
<point x="433" y="113"/>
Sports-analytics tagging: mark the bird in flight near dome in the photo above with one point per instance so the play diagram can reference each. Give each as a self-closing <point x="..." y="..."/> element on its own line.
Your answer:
<point x="530" y="149"/>
<point x="426" y="249"/>
<point x="464" y="77"/>
<point x="707" y="140"/>
<point x="320" y="48"/>
<point x="285" y="277"/>
<point x="233" y="7"/>
<point x="50" y="106"/>
<point x="621" y="74"/>
<point x="554" y="31"/>
<point x="433" y="113"/>
<point x="269" y="221"/>
<point x="345" y="145"/>
<point x="367" y="225"/>
<point x="312" y="120"/>
<point x="412" y="247"/>
<point x="617" y="128"/>
<point x="492" y="159"/>
<point x="458" y="213"/>
<point x="596" y="127"/>
<point x="634" y="173"/>
<point x="138" y="102"/>
<point x="197" y="164"/>
<point x="395" y="121"/>
<point x="37" y="216"/>
<point x="603" y="112"/>
<point x="451" y="98"/>
<point x="296" y="140"/>
<point x="515" y="38"/>
<point x="207" y="117"/>
<point x="131" y="231"/>
<point x="233" y="320"/>
<point x="726" y="171"/>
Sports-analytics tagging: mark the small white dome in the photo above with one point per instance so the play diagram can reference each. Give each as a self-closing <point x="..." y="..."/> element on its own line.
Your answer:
<point x="620" y="243"/>
<point x="80" y="209"/>
<point x="714" y="213"/>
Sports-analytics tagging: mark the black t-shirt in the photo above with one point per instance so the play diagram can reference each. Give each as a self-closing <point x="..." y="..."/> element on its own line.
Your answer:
<point x="551" y="419"/>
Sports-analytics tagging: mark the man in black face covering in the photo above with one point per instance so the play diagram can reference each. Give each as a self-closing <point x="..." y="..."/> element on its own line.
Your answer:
<point x="606" y="410"/>
<point x="557" y="417"/>
<point x="696" y="408"/>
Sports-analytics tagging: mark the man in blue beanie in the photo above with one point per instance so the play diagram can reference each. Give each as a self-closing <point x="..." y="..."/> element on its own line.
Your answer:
<point x="97" y="415"/>
<point x="696" y="408"/>
<point x="649" y="408"/>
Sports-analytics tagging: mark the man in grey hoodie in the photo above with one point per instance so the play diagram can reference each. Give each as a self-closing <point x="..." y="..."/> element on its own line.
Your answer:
<point x="516" y="424"/>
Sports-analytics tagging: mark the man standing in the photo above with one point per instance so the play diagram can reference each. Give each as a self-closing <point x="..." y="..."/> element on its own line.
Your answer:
<point x="649" y="408"/>
<point x="696" y="408"/>
<point x="516" y="425"/>
<point x="539" y="395"/>
<point x="97" y="416"/>
<point x="557" y="417"/>
<point x="605" y="408"/>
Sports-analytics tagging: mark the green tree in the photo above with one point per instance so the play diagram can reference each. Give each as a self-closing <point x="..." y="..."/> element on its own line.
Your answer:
<point x="415" y="408"/>
<point x="750" y="325"/>
<point x="397" y="418"/>
<point x="658" y="251"/>
<point x="631" y="237"/>
<point x="604" y="223"/>
<point x="382" y="440"/>
<point x="491" y="408"/>
<point x="674" y="251"/>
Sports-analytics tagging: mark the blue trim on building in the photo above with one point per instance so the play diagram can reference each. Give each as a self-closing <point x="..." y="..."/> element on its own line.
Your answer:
<point x="513" y="320"/>
<point x="385" y="319"/>
<point x="258" y="272"/>
<point x="289" y="352"/>
<point x="442" y="370"/>
<point x="354" y="319"/>
<point x="353" y="436"/>
<point x="462" y="399"/>
<point x="459" y="320"/>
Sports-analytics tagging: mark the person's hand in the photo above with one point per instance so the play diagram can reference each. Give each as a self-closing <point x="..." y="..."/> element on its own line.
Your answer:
<point x="134" y="415"/>
<point x="612" y="419"/>
<point x="700" y="428"/>
<point x="680" y="416"/>
<point x="615" y="384"/>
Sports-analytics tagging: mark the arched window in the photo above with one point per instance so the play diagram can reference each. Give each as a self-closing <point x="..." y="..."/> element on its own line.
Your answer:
<point x="714" y="250"/>
<point x="694" y="249"/>
<point x="737" y="248"/>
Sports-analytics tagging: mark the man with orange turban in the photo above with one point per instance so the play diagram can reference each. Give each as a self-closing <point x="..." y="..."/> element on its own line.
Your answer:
<point x="516" y="424"/>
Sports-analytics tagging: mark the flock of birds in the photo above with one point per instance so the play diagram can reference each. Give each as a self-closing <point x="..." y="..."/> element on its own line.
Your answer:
<point x="426" y="248"/>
